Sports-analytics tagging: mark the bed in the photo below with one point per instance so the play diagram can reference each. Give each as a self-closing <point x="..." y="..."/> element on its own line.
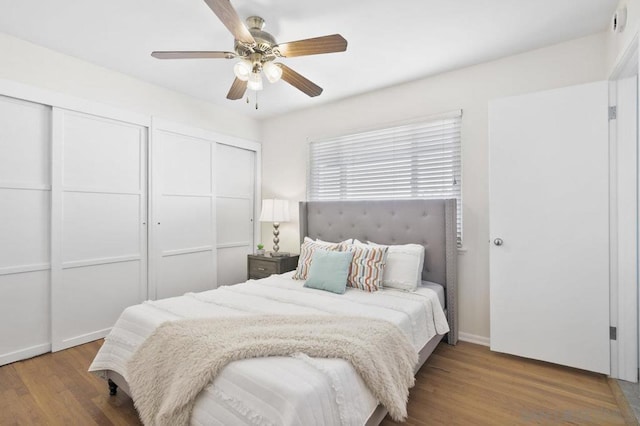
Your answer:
<point x="299" y="390"/>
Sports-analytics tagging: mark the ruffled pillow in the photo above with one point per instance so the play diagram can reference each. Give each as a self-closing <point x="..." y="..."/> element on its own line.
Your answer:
<point x="403" y="270"/>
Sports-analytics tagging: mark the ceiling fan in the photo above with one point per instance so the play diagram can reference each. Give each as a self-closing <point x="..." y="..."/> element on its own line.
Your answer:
<point x="257" y="49"/>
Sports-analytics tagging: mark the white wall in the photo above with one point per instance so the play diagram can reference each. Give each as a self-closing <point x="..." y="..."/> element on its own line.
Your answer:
<point x="285" y="142"/>
<point x="617" y="44"/>
<point x="34" y="65"/>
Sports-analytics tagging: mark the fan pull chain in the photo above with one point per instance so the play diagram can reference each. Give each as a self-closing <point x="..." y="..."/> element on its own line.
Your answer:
<point x="256" y="100"/>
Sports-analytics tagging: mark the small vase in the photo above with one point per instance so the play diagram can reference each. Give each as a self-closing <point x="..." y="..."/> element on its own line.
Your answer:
<point x="260" y="252"/>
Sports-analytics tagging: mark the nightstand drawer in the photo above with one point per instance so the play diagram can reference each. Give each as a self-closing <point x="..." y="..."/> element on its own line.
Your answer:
<point x="262" y="268"/>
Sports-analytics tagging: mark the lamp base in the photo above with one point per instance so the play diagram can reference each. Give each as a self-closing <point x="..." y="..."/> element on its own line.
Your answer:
<point x="279" y="254"/>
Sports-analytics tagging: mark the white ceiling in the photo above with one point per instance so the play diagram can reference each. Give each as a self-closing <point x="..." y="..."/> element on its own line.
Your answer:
<point x="390" y="42"/>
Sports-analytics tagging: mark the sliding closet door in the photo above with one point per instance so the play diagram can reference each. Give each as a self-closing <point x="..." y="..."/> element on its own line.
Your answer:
<point x="25" y="197"/>
<point x="235" y="171"/>
<point x="184" y="240"/>
<point x="99" y="234"/>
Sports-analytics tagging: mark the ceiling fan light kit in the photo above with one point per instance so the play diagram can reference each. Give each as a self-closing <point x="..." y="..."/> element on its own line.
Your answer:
<point x="255" y="81"/>
<point x="272" y="72"/>
<point x="257" y="49"/>
<point x="243" y="69"/>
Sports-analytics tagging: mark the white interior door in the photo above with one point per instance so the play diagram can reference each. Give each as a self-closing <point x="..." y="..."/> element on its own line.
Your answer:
<point x="99" y="234"/>
<point x="235" y="195"/>
<point x="549" y="205"/>
<point x="25" y="217"/>
<point x="184" y="233"/>
<point x="624" y="229"/>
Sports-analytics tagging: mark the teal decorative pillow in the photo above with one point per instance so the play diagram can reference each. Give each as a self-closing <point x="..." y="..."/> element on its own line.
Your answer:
<point x="329" y="270"/>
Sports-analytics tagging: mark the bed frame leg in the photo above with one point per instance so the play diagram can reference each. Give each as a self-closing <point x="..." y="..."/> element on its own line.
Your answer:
<point x="113" y="388"/>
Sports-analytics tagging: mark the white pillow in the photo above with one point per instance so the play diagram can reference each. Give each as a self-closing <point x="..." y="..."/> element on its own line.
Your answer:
<point x="319" y="241"/>
<point x="404" y="266"/>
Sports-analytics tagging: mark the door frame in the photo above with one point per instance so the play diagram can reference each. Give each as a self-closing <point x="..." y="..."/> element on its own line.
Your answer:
<point x="624" y="296"/>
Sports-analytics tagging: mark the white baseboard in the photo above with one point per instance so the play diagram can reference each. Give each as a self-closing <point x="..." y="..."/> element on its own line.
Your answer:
<point x="79" y="340"/>
<point x="25" y="353"/>
<point x="473" y="338"/>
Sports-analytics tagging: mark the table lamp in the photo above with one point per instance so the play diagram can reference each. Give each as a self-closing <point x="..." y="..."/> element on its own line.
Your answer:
<point x="276" y="211"/>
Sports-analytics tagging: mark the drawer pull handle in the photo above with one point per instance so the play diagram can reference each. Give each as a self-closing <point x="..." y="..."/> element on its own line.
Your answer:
<point x="261" y="269"/>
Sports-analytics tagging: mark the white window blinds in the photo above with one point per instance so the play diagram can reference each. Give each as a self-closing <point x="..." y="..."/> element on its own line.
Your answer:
<point x="416" y="160"/>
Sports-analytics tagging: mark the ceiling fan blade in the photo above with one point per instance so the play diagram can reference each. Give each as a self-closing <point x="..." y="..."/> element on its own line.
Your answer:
<point x="175" y="54"/>
<point x="229" y="17"/>
<point x="237" y="89"/>
<point x="312" y="46"/>
<point x="299" y="82"/>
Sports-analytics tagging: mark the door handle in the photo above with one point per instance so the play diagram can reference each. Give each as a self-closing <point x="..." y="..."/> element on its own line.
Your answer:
<point x="498" y="241"/>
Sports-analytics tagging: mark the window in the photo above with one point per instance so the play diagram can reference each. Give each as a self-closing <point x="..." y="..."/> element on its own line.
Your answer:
<point x="413" y="160"/>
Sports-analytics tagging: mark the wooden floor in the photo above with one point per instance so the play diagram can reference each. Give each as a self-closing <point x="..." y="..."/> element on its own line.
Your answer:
<point x="459" y="385"/>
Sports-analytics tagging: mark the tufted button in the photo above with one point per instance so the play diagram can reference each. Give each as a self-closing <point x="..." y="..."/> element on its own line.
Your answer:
<point x="340" y="212"/>
<point x="393" y="213"/>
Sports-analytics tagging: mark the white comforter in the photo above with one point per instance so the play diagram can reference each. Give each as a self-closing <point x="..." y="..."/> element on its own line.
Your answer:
<point x="278" y="390"/>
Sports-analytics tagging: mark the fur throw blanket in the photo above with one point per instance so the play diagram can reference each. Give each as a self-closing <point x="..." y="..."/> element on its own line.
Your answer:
<point x="181" y="358"/>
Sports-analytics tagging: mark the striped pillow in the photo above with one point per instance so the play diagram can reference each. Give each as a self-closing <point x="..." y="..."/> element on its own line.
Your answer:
<point x="367" y="266"/>
<point x="307" y="249"/>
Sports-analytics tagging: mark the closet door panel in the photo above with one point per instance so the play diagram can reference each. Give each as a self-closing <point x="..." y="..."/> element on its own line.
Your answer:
<point x="98" y="226"/>
<point x="235" y="221"/>
<point x="183" y="214"/>
<point x="24" y="227"/>
<point x="99" y="235"/>
<point x="25" y="217"/>
<point x="25" y="135"/>
<point x="186" y="222"/>
<point x="235" y="192"/>
<point x="186" y="165"/>
<point x="99" y="294"/>
<point x="235" y="171"/>
<point x="188" y="272"/>
<point x="100" y="154"/>
<point x="25" y="315"/>
<point x="234" y="261"/>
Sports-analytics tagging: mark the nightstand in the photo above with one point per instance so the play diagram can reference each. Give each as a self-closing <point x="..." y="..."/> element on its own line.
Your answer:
<point x="263" y="266"/>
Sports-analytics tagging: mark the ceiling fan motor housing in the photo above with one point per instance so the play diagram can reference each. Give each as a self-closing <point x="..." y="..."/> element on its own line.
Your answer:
<point x="264" y="40"/>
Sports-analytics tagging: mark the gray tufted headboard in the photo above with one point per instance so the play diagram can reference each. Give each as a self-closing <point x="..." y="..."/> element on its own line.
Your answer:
<point x="431" y="223"/>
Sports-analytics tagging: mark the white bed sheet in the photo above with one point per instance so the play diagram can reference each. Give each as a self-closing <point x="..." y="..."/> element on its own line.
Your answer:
<point x="438" y="288"/>
<point x="295" y="390"/>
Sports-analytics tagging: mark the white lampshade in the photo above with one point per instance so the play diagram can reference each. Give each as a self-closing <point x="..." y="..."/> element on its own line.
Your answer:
<point x="255" y="81"/>
<point x="272" y="71"/>
<point x="275" y="211"/>
<point x="243" y="69"/>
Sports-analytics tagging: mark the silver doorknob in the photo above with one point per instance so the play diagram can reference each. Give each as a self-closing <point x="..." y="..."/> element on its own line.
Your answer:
<point x="498" y="241"/>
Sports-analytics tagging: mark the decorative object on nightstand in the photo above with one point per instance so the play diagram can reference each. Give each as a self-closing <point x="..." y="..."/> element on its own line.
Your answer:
<point x="276" y="211"/>
<point x="263" y="266"/>
<point x="260" y="251"/>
